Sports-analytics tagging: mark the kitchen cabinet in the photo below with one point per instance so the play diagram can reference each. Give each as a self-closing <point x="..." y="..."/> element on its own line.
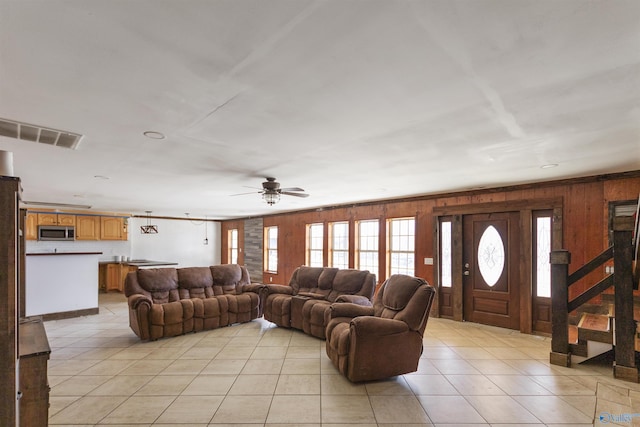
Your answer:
<point x="113" y="228"/>
<point x="102" y="277"/>
<point x="31" y="226"/>
<point x="113" y="275"/>
<point x="87" y="227"/>
<point x="56" y="219"/>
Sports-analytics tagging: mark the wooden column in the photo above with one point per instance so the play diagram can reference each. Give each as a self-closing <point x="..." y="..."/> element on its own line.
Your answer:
<point x="624" y="365"/>
<point x="560" y="351"/>
<point x="9" y="273"/>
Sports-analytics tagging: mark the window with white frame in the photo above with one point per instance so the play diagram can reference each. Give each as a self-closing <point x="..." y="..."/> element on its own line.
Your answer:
<point x="339" y="244"/>
<point x="542" y="265"/>
<point x="233" y="246"/>
<point x="368" y="244"/>
<point x="402" y="236"/>
<point x="446" y="263"/>
<point x="315" y="240"/>
<point x="271" y="249"/>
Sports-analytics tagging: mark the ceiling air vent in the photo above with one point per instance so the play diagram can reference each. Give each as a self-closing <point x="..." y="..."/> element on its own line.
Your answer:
<point x="28" y="132"/>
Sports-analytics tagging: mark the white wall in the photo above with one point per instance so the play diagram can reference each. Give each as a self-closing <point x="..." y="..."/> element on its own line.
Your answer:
<point x="177" y="241"/>
<point x="109" y="249"/>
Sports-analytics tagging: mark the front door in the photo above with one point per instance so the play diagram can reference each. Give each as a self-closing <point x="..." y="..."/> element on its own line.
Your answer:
<point x="491" y="259"/>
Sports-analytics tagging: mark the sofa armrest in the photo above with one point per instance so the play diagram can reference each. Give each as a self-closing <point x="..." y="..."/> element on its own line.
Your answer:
<point x="378" y="326"/>
<point x="312" y="295"/>
<point x="278" y="289"/>
<point x="136" y="300"/>
<point x="253" y="287"/>
<point x="345" y="309"/>
<point x="139" y="312"/>
<point x="355" y="299"/>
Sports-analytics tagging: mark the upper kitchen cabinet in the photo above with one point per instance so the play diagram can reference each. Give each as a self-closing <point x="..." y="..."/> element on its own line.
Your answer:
<point x="87" y="227"/>
<point x="56" y="219"/>
<point x="31" y="226"/>
<point x="113" y="228"/>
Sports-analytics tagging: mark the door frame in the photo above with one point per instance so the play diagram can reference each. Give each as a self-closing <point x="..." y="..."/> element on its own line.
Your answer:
<point x="525" y="209"/>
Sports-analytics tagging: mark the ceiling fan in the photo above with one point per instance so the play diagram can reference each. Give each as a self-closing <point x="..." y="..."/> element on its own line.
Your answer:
<point x="271" y="191"/>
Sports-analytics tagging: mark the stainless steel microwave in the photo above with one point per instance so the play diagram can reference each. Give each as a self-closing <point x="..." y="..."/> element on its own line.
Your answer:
<point x="56" y="232"/>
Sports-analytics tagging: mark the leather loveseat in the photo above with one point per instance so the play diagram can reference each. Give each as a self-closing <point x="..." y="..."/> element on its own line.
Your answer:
<point x="165" y="302"/>
<point x="311" y="291"/>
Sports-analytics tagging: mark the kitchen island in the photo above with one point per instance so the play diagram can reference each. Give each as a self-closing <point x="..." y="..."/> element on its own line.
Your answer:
<point x="61" y="284"/>
<point x="113" y="273"/>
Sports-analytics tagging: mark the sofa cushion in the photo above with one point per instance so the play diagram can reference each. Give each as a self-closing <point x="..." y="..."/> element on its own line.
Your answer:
<point x="195" y="282"/>
<point x="161" y="283"/>
<point x="158" y="279"/>
<point x="398" y="291"/>
<point x="306" y="278"/>
<point x="227" y="278"/>
<point x="349" y="281"/>
<point x="277" y="309"/>
<point x="195" y="277"/>
<point x="327" y="277"/>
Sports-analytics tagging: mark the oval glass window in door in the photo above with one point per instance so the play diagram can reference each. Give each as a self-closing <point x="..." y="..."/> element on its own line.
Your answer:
<point x="491" y="255"/>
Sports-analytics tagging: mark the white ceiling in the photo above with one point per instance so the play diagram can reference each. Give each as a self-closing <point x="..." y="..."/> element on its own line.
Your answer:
<point x="351" y="100"/>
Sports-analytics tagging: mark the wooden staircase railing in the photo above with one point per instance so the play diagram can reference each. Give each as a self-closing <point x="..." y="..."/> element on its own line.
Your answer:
<point x="622" y="281"/>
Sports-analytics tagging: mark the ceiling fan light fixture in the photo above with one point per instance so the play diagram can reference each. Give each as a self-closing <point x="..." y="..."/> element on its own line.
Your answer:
<point x="271" y="198"/>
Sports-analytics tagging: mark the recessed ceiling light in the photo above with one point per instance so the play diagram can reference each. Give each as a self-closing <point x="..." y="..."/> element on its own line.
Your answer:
<point x="153" y="134"/>
<point x="549" y="166"/>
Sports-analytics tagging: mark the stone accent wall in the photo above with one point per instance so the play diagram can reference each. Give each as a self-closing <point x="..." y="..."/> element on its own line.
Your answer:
<point x="253" y="250"/>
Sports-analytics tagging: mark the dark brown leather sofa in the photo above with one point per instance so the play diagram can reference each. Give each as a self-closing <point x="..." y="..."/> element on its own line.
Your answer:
<point x="385" y="340"/>
<point x="165" y="302"/>
<point x="302" y="304"/>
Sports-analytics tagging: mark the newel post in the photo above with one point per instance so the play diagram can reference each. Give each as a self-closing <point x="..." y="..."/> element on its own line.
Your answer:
<point x="624" y="366"/>
<point x="560" y="351"/>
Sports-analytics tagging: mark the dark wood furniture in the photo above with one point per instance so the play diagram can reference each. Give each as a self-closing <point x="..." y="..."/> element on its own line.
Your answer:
<point x="10" y="261"/>
<point x="24" y="350"/>
<point x="34" y="385"/>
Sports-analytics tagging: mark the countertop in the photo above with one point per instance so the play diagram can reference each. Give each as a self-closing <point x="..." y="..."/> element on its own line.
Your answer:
<point x="63" y="253"/>
<point x="140" y="262"/>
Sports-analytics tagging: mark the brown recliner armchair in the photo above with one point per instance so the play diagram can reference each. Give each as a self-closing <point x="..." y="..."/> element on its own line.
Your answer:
<point x="371" y="343"/>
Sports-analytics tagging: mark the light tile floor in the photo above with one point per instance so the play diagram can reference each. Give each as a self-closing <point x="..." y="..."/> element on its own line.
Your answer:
<point x="257" y="374"/>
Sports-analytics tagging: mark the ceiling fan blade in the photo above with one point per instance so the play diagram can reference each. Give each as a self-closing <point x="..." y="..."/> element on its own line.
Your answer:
<point x="250" y="192"/>
<point x="294" y="194"/>
<point x="291" y="189"/>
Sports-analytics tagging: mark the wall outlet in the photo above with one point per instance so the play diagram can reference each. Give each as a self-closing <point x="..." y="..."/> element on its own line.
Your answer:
<point x="428" y="261"/>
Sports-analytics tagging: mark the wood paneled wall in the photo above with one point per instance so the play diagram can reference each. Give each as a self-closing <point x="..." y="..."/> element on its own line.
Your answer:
<point x="585" y="219"/>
